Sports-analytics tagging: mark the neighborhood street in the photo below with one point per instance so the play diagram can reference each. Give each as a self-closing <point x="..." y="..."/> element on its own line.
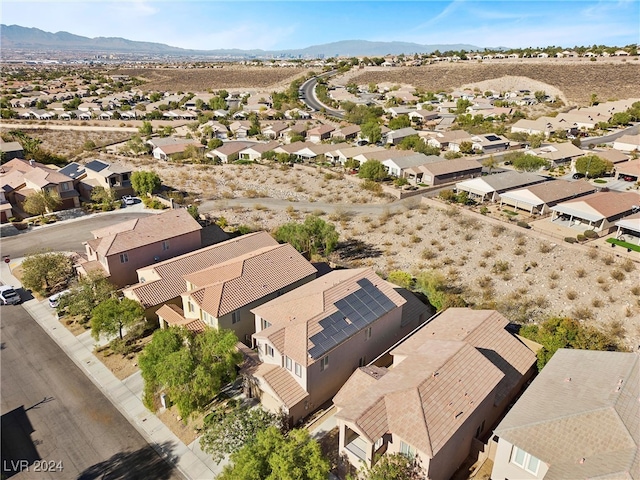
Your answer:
<point x="55" y="423"/>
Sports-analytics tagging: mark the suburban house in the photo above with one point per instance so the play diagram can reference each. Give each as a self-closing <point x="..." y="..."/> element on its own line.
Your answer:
<point x="255" y="151"/>
<point x="382" y="155"/>
<point x="97" y="173"/>
<point x="230" y="151"/>
<point x="275" y="129"/>
<point x="6" y="211"/>
<point x="341" y="155"/>
<point x="557" y="153"/>
<point x="487" y="143"/>
<point x="578" y="419"/>
<point x="10" y="150"/>
<point x="628" y="171"/>
<point x="598" y="211"/>
<point x="443" y="171"/>
<point x="440" y="395"/>
<point x="394" y="137"/>
<point x="612" y="155"/>
<point x="346" y="132"/>
<point x="492" y="186"/>
<point x="21" y="178"/>
<point x="398" y="165"/>
<point x="163" y="282"/>
<point x="629" y="229"/>
<point x="540" y="126"/>
<point x="309" y="150"/>
<point x="319" y="133"/>
<point x="627" y="143"/>
<point x="119" y="250"/>
<point x="224" y="295"/>
<point x="423" y="116"/>
<point x="169" y="147"/>
<point x="442" y="140"/>
<point x="538" y="199"/>
<point x="310" y="340"/>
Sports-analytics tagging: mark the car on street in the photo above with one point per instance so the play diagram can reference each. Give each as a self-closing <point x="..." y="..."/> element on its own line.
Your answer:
<point x="577" y="176"/>
<point x="54" y="300"/>
<point x="128" y="200"/>
<point x="9" y="296"/>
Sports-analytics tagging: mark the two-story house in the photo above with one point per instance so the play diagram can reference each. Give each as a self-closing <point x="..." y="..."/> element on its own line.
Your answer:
<point x="448" y="384"/>
<point x="97" y="173"/>
<point x="119" y="250"/>
<point x="310" y="340"/>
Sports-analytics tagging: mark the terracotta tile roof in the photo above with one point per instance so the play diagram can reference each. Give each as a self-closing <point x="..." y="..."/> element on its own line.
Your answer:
<point x="173" y="315"/>
<point x="224" y="288"/>
<point x="439" y="376"/>
<point x="631" y="167"/>
<point x="583" y="405"/>
<point x="605" y="204"/>
<point x="139" y="232"/>
<point x="296" y="316"/>
<point x="280" y="381"/>
<point x="169" y="280"/>
<point x="321" y="130"/>
<point x="555" y="191"/>
<point x="447" y="166"/>
<point x="41" y="177"/>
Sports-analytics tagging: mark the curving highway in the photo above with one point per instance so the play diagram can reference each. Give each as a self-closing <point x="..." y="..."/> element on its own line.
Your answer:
<point x="307" y="95"/>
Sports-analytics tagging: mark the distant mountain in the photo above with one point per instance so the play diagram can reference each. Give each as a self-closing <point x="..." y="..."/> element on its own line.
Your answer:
<point x="34" y="39"/>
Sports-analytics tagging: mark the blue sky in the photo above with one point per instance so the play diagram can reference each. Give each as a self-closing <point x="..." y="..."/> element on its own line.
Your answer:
<point x="299" y="23"/>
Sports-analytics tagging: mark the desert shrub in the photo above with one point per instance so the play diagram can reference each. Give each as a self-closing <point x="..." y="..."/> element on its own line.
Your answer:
<point x="501" y="266"/>
<point x="570" y="240"/>
<point x="581" y="238"/>
<point x="544" y="248"/>
<point x="523" y="224"/>
<point x="582" y="313"/>
<point x="581" y="273"/>
<point x="497" y="230"/>
<point x="608" y="259"/>
<point x="572" y="294"/>
<point x="447" y="195"/>
<point x="596" y="303"/>
<point x="371" y="186"/>
<point x="617" y="274"/>
<point x="590" y="234"/>
<point x="402" y="279"/>
<point x="628" y="265"/>
<point x="153" y="203"/>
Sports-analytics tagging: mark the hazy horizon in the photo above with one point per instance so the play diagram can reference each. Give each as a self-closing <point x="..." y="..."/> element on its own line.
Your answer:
<point x="282" y="25"/>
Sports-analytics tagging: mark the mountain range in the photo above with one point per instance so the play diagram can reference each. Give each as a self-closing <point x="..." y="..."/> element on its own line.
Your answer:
<point x="33" y="39"/>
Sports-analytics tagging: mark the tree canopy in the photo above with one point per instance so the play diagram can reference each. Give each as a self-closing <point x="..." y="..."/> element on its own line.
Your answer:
<point x="90" y="291"/>
<point x="145" y="182"/>
<point x="314" y="236"/>
<point x="274" y="456"/>
<point x="373" y="170"/>
<point x="41" y="202"/>
<point x="593" y="165"/>
<point x="527" y="163"/>
<point x="392" y="467"/>
<point x="46" y="272"/>
<point x="191" y="368"/>
<point x="401" y="121"/>
<point x="111" y="315"/>
<point x="227" y="432"/>
<point x="371" y="131"/>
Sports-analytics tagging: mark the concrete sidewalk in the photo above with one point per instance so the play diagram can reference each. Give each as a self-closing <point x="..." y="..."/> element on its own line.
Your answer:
<point x="125" y="395"/>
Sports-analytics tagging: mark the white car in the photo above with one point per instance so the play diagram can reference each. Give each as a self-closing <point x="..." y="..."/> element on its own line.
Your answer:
<point x="128" y="200"/>
<point x="55" y="298"/>
<point x="9" y="296"/>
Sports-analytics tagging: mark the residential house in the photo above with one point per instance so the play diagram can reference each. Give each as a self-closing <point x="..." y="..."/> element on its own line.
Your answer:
<point x="320" y="133"/>
<point x="394" y="137"/>
<point x="229" y="151"/>
<point x="240" y="129"/>
<point x="578" y="419"/>
<point x="382" y="155"/>
<point x="487" y="143"/>
<point x="442" y="140"/>
<point x="97" y="173"/>
<point x="310" y="340"/>
<point x="396" y="111"/>
<point x="119" y="250"/>
<point x="422" y="117"/>
<point x="163" y="282"/>
<point x="255" y="151"/>
<point x="628" y="171"/>
<point x="627" y="143"/>
<point x="557" y="153"/>
<point x="224" y="294"/>
<point x="541" y="126"/>
<point x="274" y="129"/>
<point x="10" y="150"/>
<point x="398" y="165"/>
<point x="539" y="199"/>
<point x="346" y="132"/>
<point x="341" y="155"/>
<point x="164" y="148"/>
<point x="612" y="155"/>
<point x="443" y="171"/>
<point x="629" y="229"/>
<point x="492" y="186"/>
<point x="598" y="211"/>
<point x="6" y="210"/>
<point x="448" y="383"/>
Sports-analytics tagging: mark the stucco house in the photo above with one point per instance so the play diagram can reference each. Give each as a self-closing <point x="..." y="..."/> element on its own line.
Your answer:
<point x="97" y="173"/>
<point x="627" y="143"/>
<point x="168" y="147"/>
<point x="578" y="419"/>
<point x="444" y="171"/>
<point x="319" y="133"/>
<point x="119" y="250"/>
<point x="394" y="137"/>
<point x="310" y="340"/>
<point x="230" y="151"/>
<point x="10" y="150"/>
<point x="540" y="198"/>
<point x="448" y="383"/>
<point x="492" y="186"/>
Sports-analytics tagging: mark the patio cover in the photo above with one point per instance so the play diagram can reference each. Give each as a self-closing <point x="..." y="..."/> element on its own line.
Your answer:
<point x="579" y="210"/>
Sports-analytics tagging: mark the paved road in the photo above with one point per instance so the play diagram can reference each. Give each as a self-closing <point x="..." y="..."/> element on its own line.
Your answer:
<point x="52" y="412"/>
<point x="65" y="236"/>
<point x="586" y="141"/>
<point x="308" y="88"/>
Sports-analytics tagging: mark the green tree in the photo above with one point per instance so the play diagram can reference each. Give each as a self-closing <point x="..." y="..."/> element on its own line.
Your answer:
<point x="145" y="182"/>
<point x="373" y="170"/>
<point x="46" y="272"/>
<point x="146" y="129"/>
<point x="466" y="147"/>
<point x="439" y="291"/>
<point x="540" y="95"/>
<point x="274" y="456"/>
<point x="314" y="236"/>
<point x="371" y="131"/>
<point x="415" y="143"/>
<point x="90" y="291"/>
<point x="536" y="139"/>
<point x="111" y="315"/>
<point x="102" y="195"/>
<point x="193" y="211"/>
<point x="490" y="163"/>
<point x="41" y="202"/>
<point x="214" y="143"/>
<point x="529" y="163"/>
<point x="226" y="433"/>
<point x="401" y="121"/>
<point x="392" y="467"/>
<point x="562" y="332"/>
<point x="402" y="279"/>
<point x="191" y="368"/>
<point x="137" y="145"/>
<point x="593" y="166"/>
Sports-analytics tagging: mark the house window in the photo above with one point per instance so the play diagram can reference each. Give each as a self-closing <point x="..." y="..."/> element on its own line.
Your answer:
<point x="324" y="363"/>
<point x="124" y="258"/>
<point x="525" y="460"/>
<point x="190" y="307"/>
<point x="264" y="324"/>
<point x="269" y="350"/>
<point x="367" y="333"/>
<point x="235" y="317"/>
<point x="165" y="245"/>
<point x="378" y="443"/>
<point x="407" y="450"/>
<point x="298" y="368"/>
<point x="65" y="187"/>
<point x="287" y="363"/>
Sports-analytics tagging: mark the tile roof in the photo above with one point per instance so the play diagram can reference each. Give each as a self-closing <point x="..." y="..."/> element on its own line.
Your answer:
<point x="440" y="375"/>
<point x="631" y="167"/>
<point x="173" y="315"/>
<point x="168" y="276"/>
<point x="583" y="405"/>
<point x="226" y="287"/>
<point x="600" y="205"/>
<point x="299" y="315"/>
<point x="553" y="191"/>
<point x="288" y="391"/>
<point x="414" y="160"/>
<point x="139" y="232"/>
<point x="42" y="177"/>
<point x="445" y="167"/>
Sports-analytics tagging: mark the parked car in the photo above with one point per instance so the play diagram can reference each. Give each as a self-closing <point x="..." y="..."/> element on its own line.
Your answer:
<point x="54" y="300"/>
<point x="577" y="176"/>
<point x="628" y="178"/>
<point x="9" y="296"/>
<point x="128" y="200"/>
